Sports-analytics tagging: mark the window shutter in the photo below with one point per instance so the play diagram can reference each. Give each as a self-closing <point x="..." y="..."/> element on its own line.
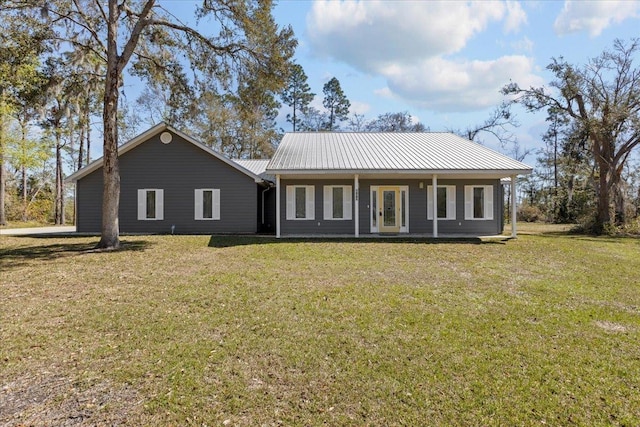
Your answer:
<point x="451" y="202"/>
<point x="468" y="202"/>
<point x="142" y="204"/>
<point x="347" y="196"/>
<point x="216" y="203"/>
<point x="198" y="204"/>
<point x="310" y="203"/>
<point x="429" y="202"/>
<point x="291" y="202"/>
<point x="488" y="202"/>
<point x="159" y="204"/>
<point x="328" y="202"/>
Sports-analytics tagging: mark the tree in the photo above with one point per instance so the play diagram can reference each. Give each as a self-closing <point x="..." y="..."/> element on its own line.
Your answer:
<point x="257" y="111"/>
<point x="395" y="122"/>
<point x="296" y="94"/>
<point x="313" y="120"/>
<point x="21" y="43"/>
<point x="336" y="103"/>
<point x="357" y="123"/>
<point x="602" y="99"/>
<point x="497" y="125"/>
<point x="143" y="30"/>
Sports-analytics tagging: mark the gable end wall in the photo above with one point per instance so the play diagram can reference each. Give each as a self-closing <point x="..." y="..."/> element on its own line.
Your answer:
<point x="178" y="168"/>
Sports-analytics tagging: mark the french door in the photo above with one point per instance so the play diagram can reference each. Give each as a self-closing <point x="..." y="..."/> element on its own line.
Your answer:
<point x="389" y="209"/>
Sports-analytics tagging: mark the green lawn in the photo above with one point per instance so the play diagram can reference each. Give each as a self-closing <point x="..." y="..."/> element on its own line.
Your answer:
<point x="193" y="330"/>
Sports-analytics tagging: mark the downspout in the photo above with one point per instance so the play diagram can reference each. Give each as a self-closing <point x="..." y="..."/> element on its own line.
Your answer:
<point x="434" y="188"/>
<point x="278" y="206"/>
<point x="356" y="187"/>
<point x="514" y="231"/>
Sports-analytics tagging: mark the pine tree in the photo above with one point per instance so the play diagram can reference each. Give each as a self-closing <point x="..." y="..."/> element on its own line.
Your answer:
<point x="297" y="95"/>
<point x="336" y="103"/>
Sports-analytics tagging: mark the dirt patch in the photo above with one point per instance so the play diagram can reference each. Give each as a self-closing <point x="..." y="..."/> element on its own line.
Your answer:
<point x="611" y="326"/>
<point x="47" y="399"/>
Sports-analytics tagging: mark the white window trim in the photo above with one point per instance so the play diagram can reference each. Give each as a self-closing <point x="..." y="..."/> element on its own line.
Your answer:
<point x="199" y="200"/>
<point x="451" y="202"/>
<point x="142" y="204"/>
<point x="488" y="202"/>
<point x="347" y="205"/>
<point x="309" y="202"/>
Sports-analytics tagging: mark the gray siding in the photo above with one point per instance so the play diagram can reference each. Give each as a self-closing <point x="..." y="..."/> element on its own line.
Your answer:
<point x="418" y="222"/>
<point x="178" y="168"/>
<point x="319" y="225"/>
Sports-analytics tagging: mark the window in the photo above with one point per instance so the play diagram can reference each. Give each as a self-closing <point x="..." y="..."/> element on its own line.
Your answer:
<point x="207" y="204"/>
<point x="300" y="202"/>
<point x="337" y="202"/>
<point x="150" y="204"/>
<point x="478" y="202"/>
<point x="446" y="202"/>
<point x="374" y="210"/>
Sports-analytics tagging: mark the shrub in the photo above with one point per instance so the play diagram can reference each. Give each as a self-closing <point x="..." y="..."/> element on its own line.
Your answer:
<point x="529" y="213"/>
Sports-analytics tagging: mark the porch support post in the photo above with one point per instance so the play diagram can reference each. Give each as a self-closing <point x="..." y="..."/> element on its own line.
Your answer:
<point x="356" y="201"/>
<point x="278" y="206"/>
<point x="434" y="187"/>
<point x="514" y="231"/>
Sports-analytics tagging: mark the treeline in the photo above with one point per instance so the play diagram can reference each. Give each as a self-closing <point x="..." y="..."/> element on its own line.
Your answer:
<point x="587" y="173"/>
<point x="226" y="90"/>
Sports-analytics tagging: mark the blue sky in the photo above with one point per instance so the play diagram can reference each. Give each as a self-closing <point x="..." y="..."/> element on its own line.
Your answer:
<point x="444" y="61"/>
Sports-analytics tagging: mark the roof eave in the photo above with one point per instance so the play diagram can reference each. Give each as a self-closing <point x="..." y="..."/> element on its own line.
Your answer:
<point x="506" y="172"/>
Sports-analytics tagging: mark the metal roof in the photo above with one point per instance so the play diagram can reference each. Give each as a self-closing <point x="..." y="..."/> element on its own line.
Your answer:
<point x="327" y="152"/>
<point x="256" y="166"/>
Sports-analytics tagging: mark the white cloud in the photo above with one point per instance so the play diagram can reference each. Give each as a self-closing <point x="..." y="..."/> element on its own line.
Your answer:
<point x="384" y="92"/>
<point x="516" y="17"/>
<point x="372" y="33"/>
<point x="358" y="107"/>
<point x="523" y="45"/>
<point x="444" y="85"/>
<point x="593" y="16"/>
<point x="409" y="42"/>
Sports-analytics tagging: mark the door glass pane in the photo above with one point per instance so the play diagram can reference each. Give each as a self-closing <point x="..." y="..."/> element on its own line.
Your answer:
<point x="442" y="202"/>
<point x="403" y="207"/>
<point x="478" y="202"/>
<point x="207" y="204"/>
<point x="301" y="202"/>
<point x="374" y="208"/>
<point x="151" y="204"/>
<point x="338" y="208"/>
<point x="389" y="208"/>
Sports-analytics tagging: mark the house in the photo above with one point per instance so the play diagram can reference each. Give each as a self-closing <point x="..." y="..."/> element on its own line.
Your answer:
<point x="317" y="184"/>
<point x="171" y="183"/>
<point x="375" y="183"/>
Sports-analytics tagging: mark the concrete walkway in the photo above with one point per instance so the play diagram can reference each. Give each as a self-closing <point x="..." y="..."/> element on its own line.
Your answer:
<point x="38" y="230"/>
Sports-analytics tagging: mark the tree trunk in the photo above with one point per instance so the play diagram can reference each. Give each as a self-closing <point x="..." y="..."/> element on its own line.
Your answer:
<point x="110" y="238"/>
<point x="88" y="140"/>
<point x="81" y="146"/>
<point x="111" y="176"/>
<point x="23" y="169"/>
<point x="603" y="216"/>
<point x="25" y="201"/>
<point x="3" y="217"/>
<point x="59" y="204"/>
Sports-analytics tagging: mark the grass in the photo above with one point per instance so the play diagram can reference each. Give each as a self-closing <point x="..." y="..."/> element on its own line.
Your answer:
<point x="194" y="330"/>
<point x="24" y="224"/>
